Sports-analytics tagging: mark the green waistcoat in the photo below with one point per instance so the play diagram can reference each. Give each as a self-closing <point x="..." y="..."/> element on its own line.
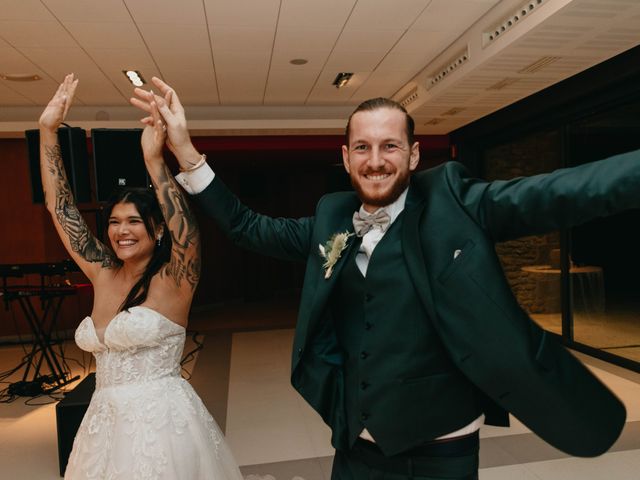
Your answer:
<point x="399" y="381"/>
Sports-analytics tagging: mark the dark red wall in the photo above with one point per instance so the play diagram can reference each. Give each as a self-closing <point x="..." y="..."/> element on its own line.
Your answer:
<point x="281" y="176"/>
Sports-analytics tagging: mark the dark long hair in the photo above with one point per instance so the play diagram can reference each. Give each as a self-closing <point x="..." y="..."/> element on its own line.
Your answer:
<point x="145" y="201"/>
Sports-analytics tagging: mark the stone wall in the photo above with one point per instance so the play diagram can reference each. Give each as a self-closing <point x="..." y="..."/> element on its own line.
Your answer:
<point x="536" y="153"/>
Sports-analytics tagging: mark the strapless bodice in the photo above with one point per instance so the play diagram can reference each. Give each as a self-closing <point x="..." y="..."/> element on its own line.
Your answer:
<point x="139" y="345"/>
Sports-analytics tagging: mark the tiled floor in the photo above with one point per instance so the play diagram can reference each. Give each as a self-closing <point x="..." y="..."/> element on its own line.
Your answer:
<point x="242" y="374"/>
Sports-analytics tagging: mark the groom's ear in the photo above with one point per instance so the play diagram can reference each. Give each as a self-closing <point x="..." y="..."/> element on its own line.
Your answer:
<point x="345" y="157"/>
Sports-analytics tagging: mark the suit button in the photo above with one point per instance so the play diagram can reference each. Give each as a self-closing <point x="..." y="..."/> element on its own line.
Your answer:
<point x="364" y="416"/>
<point x="299" y="352"/>
<point x="364" y="355"/>
<point x="364" y="385"/>
<point x="368" y="297"/>
<point x="368" y="325"/>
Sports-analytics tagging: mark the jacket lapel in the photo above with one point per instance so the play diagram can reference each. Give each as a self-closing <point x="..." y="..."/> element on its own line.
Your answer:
<point x="412" y="249"/>
<point x="324" y="286"/>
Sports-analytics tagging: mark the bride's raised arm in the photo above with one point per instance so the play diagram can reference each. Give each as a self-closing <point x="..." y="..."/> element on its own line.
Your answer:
<point x="89" y="253"/>
<point x="184" y="266"/>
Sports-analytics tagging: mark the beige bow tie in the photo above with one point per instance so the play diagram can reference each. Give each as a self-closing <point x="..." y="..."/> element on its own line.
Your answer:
<point x="362" y="223"/>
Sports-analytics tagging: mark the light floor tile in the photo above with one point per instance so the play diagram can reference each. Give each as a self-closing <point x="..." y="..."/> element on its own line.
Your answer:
<point x="511" y="472"/>
<point x="628" y="391"/>
<point x="616" y="465"/>
<point x="266" y="419"/>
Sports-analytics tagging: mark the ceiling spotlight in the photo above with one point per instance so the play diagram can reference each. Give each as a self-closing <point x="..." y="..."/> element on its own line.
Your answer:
<point x="342" y="78"/>
<point x="134" y="77"/>
<point x="20" y="77"/>
<point x="299" y="61"/>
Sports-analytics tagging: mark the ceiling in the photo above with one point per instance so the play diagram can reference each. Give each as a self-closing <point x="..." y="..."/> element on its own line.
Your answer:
<point x="229" y="60"/>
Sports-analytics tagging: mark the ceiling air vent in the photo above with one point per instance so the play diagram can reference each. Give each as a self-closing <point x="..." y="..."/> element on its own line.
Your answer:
<point x="411" y="97"/>
<point x="539" y="64"/>
<point x="448" y="68"/>
<point x="517" y="16"/>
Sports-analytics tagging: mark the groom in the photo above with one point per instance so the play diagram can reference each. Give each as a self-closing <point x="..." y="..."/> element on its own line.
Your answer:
<point x="408" y="336"/>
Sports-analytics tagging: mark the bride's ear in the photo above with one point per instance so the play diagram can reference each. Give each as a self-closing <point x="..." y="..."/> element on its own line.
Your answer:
<point x="160" y="231"/>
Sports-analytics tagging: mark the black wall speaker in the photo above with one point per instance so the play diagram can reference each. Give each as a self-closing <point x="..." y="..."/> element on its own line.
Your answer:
<point x="118" y="160"/>
<point x="73" y="146"/>
<point x="69" y="414"/>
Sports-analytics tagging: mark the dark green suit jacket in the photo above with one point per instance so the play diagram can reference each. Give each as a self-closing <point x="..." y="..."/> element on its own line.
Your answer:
<point x="520" y="367"/>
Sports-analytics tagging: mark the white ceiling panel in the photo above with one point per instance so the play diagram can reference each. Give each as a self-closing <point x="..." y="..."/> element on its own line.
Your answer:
<point x="241" y="89"/>
<point x="24" y="10"/>
<point x="424" y="44"/>
<point x="105" y="35"/>
<point x="246" y="62"/>
<point x="195" y="87"/>
<point x="396" y="60"/>
<point x="114" y="60"/>
<point x="353" y="62"/>
<point x="9" y="98"/>
<point x="172" y="12"/>
<point x="289" y="88"/>
<point x="314" y="14"/>
<point x="39" y="92"/>
<point x="380" y="84"/>
<point x="57" y="62"/>
<point x="88" y="11"/>
<point x="14" y="61"/>
<point x="324" y="93"/>
<point x="368" y="40"/>
<point x="176" y="59"/>
<point x="236" y="53"/>
<point x="158" y="37"/>
<point x="380" y="14"/>
<point x="242" y="12"/>
<point x="96" y="89"/>
<point x="281" y="60"/>
<point x="306" y="39"/>
<point x="241" y="39"/>
<point x="452" y="16"/>
<point x="35" y="34"/>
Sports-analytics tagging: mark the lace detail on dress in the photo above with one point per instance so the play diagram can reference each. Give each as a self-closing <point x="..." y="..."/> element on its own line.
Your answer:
<point x="144" y="420"/>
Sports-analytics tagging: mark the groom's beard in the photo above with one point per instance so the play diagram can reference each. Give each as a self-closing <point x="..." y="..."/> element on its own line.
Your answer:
<point x="381" y="197"/>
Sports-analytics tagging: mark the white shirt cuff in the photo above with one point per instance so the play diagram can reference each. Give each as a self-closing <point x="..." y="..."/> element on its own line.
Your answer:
<point x="196" y="181"/>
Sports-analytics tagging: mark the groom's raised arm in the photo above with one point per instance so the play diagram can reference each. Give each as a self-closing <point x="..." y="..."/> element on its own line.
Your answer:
<point x="284" y="238"/>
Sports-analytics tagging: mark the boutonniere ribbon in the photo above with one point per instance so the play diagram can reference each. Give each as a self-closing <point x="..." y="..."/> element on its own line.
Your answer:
<point x="332" y="250"/>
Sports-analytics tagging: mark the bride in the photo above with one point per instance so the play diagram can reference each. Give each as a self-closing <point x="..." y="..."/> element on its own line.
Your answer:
<point x="144" y="420"/>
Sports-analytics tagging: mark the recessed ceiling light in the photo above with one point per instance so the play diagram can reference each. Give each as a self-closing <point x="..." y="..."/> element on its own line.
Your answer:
<point x="20" y="77"/>
<point x="299" y="61"/>
<point x="342" y="79"/>
<point x="134" y="77"/>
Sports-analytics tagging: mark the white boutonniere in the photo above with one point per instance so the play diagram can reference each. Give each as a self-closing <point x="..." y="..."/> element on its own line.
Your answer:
<point x="332" y="250"/>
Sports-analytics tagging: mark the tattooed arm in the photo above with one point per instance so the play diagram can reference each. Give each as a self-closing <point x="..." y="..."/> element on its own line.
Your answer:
<point x="90" y="254"/>
<point x="183" y="268"/>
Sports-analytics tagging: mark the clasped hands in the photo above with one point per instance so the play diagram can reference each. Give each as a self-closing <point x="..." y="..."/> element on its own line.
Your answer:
<point x="165" y="122"/>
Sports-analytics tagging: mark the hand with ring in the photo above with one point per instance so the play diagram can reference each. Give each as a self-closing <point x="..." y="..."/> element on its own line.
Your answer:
<point x="172" y="113"/>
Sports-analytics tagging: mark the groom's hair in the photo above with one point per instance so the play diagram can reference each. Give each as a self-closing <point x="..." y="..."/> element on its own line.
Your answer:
<point x="378" y="103"/>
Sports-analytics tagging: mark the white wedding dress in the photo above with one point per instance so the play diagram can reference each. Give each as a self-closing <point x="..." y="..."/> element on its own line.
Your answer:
<point x="144" y="420"/>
